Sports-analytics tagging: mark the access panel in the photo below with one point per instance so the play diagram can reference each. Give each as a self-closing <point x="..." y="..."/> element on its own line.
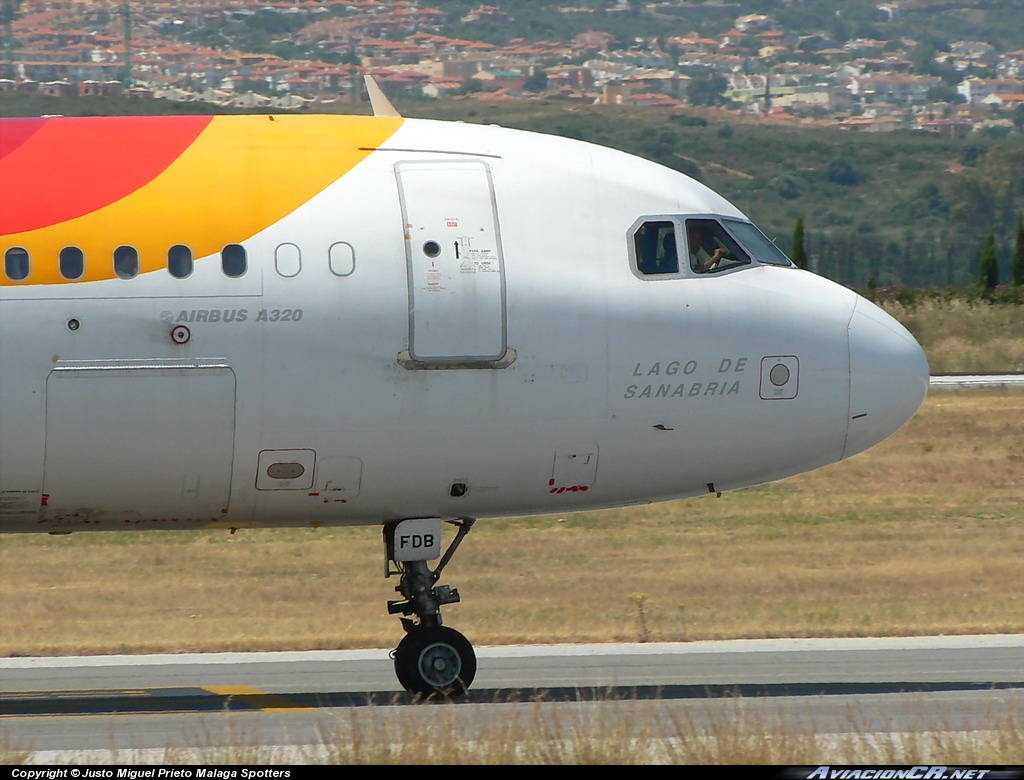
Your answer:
<point x="138" y="442"/>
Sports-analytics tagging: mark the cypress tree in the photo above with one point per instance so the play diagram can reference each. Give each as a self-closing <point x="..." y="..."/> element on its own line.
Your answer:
<point x="1017" y="266"/>
<point x="799" y="250"/>
<point x="989" y="271"/>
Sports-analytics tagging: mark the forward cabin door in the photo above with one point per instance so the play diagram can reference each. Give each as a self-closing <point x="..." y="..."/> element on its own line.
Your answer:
<point x="456" y="272"/>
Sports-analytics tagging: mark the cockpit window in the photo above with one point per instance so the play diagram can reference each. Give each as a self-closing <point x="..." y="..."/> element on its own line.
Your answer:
<point x="711" y="248"/>
<point x="764" y="251"/>
<point x="709" y="244"/>
<point x="655" y="247"/>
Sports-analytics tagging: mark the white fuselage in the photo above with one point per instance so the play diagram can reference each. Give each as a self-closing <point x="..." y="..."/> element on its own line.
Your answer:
<point x="356" y="373"/>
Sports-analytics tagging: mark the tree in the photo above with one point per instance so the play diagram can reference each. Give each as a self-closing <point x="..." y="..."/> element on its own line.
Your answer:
<point x="8" y="13"/>
<point x="943" y="94"/>
<point x="537" y="82"/>
<point x="706" y="89"/>
<point x="923" y="59"/>
<point x="1017" y="265"/>
<point x="841" y="172"/>
<point x="989" y="271"/>
<point x="799" y="253"/>
<point x="839" y="29"/>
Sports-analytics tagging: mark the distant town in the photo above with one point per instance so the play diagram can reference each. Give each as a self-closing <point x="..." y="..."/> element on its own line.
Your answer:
<point x="757" y="68"/>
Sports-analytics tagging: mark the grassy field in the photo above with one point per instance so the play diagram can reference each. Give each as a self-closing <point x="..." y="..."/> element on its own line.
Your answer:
<point x="964" y="335"/>
<point x="921" y="535"/>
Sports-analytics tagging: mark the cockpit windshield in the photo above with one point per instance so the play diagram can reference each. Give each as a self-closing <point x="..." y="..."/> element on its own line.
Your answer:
<point x="711" y="248"/>
<point x="764" y="251"/>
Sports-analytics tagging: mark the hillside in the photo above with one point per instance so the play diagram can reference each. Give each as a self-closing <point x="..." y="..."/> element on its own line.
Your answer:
<point x="937" y="22"/>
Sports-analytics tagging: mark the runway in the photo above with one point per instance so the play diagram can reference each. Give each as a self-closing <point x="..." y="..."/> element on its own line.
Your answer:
<point x="118" y="708"/>
<point x="962" y="380"/>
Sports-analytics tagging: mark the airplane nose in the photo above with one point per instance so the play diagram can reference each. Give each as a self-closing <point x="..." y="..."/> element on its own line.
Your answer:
<point x="888" y="377"/>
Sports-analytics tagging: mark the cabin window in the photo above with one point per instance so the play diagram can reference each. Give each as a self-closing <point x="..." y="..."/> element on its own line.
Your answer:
<point x="72" y="262"/>
<point x="655" y="248"/>
<point x="710" y="247"/>
<point x="233" y="260"/>
<point x="288" y="260"/>
<point x="126" y="262"/>
<point x="16" y="263"/>
<point x="342" y="259"/>
<point x="760" y="246"/>
<point x="179" y="261"/>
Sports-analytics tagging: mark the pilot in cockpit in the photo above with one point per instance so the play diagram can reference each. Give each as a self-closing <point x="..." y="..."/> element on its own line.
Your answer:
<point x="705" y="253"/>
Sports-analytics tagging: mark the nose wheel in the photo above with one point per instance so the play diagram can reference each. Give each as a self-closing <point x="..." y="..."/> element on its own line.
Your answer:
<point x="435" y="661"/>
<point x="432" y="660"/>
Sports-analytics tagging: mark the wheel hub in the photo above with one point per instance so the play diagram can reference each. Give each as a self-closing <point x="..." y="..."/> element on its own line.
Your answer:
<point x="440" y="665"/>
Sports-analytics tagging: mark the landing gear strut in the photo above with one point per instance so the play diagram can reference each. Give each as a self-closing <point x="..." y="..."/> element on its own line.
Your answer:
<point x="432" y="659"/>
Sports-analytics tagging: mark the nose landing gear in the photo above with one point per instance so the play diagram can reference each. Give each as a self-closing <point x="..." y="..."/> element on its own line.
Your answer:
<point x="432" y="659"/>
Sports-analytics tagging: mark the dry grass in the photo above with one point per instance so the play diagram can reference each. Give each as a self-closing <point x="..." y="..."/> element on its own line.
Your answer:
<point x="921" y="535"/>
<point x="962" y="335"/>
<point x="620" y="732"/>
<point x="610" y="732"/>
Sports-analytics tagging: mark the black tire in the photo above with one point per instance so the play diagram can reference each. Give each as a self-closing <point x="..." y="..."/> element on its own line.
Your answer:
<point x="435" y="661"/>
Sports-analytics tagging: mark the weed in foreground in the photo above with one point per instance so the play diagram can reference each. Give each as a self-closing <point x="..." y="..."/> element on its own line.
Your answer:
<point x="632" y="732"/>
<point x="586" y="733"/>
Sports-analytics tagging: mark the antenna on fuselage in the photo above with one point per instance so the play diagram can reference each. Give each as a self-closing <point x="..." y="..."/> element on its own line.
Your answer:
<point x="378" y="100"/>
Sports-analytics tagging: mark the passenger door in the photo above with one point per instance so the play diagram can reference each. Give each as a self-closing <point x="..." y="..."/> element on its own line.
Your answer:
<point x="455" y="267"/>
